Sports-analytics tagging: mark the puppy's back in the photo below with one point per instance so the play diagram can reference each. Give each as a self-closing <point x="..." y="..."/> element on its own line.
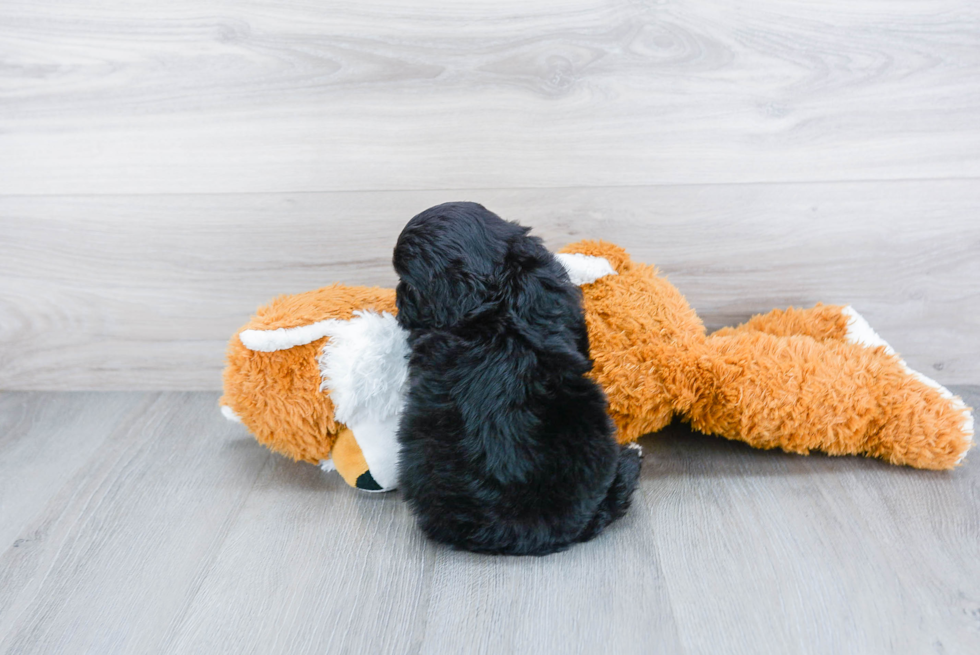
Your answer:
<point x="506" y="445"/>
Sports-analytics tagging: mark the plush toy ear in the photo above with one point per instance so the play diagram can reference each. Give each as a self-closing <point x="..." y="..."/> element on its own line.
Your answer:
<point x="276" y="395"/>
<point x="584" y="269"/>
<point x="267" y="341"/>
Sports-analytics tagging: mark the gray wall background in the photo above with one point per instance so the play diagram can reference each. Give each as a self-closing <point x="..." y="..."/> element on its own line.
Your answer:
<point x="165" y="169"/>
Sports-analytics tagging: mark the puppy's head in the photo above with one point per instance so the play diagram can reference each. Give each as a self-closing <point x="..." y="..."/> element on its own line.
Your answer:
<point x="450" y="260"/>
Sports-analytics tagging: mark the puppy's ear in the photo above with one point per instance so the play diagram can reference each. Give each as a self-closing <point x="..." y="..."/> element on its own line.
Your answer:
<point x="445" y="298"/>
<point x="529" y="268"/>
<point x="461" y="293"/>
<point x="546" y="303"/>
<point x="407" y="303"/>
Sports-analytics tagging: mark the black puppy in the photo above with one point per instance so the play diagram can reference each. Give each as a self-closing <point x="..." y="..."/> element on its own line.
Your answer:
<point x="506" y="446"/>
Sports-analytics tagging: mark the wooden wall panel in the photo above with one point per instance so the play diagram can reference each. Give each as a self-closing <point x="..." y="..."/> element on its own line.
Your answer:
<point x="166" y="168"/>
<point x="231" y="96"/>
<point x="142" y="292"/>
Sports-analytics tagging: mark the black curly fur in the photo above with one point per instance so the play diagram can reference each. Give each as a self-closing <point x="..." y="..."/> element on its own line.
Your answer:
<point x="506" y="446"/>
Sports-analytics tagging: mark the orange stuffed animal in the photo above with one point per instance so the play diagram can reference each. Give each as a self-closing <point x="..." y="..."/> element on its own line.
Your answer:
<point x="319" y="376"/>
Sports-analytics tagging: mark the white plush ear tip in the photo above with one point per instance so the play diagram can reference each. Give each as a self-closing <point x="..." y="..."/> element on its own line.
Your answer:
<point x="257" y="340"/>
<point x="230" y="414"/>
<point x="268" y="341"/>
<point x="584" y="269"/>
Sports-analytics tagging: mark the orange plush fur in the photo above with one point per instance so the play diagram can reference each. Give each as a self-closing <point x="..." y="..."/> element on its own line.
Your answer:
<point x="277" y="394"/>
<point x="783" y="380"/>
<point x="787" y="379"/>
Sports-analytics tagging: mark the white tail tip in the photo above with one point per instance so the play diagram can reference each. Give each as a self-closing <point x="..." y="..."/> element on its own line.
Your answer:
<point x="229" y="414"/>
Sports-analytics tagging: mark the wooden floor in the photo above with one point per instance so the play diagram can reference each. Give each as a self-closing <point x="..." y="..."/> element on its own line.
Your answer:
<point x="144" y="522"/>
<point x="166" y="168"/>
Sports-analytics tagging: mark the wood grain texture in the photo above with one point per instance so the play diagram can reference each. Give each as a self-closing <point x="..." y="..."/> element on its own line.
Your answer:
<point x="35" y="468"/>
<point x="166" y="529"/>
<point x="164" y="169"/>
<point x="143" y="292"/>
<point x="231" y="96"/>
<point x="113" y="558"/>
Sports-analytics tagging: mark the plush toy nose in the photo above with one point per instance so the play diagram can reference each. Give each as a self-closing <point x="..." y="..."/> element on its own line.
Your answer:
<point x="349" y="461"/>
<point x="367" y="483"/>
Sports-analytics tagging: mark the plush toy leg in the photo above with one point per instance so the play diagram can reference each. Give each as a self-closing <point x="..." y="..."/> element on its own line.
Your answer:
<point x="839" y="397"/>
<point x="861" y="333"/>
<point x="820" y="322"/>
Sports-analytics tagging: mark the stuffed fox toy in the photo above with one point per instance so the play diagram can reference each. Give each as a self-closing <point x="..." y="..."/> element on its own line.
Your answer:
<point x="320" y="376"/>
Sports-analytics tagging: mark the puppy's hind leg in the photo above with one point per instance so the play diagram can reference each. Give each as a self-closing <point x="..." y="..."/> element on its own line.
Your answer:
<point x="620" y="492"/>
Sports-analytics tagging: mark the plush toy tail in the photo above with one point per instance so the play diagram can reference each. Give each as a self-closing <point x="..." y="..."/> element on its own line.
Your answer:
<point x="853" y="396"/>
<point x="620" y="494"/>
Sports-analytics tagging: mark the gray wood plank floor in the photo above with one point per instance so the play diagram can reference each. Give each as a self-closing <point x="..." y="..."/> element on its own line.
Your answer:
<point x="143" y="522"/>
<point x="164" y="170"/>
